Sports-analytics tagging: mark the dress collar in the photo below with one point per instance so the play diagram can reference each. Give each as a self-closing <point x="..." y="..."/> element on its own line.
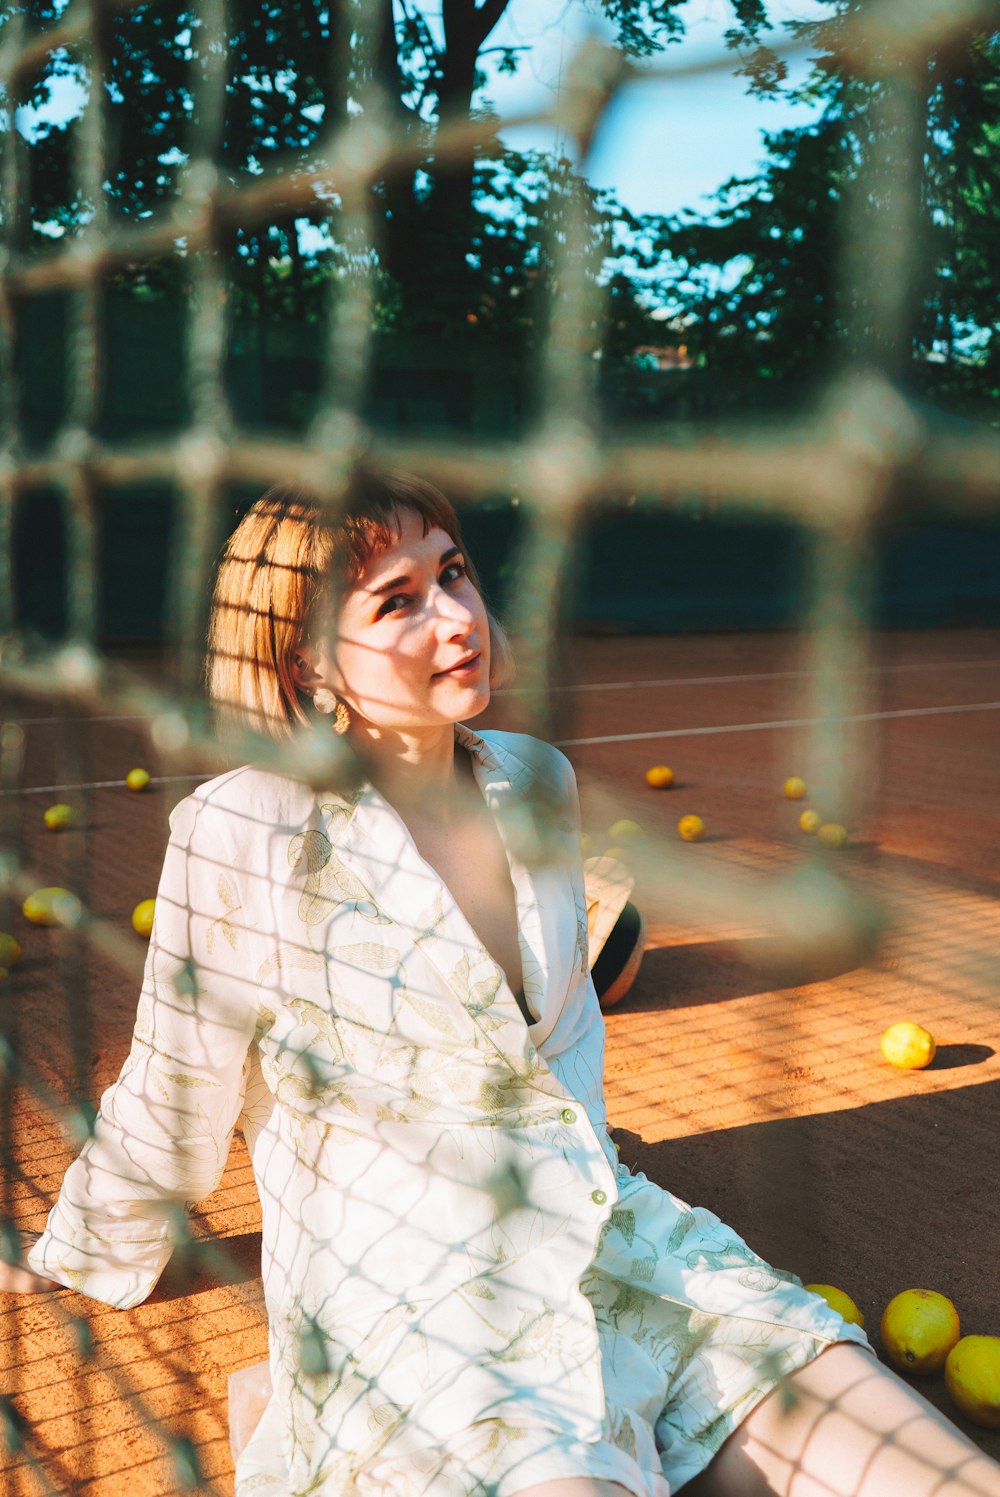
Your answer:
<point x="375" y="843"/>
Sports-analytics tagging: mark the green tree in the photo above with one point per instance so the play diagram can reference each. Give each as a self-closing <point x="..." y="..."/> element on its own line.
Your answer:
<point x="761" y="278"/>
<point x="296" y="70"/>
<point x="434" y="76"/>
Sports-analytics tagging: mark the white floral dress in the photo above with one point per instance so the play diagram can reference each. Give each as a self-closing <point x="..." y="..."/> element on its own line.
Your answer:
<point x="466" y="1292"/>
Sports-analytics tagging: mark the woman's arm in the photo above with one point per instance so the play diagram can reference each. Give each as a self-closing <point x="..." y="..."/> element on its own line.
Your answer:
<point x="163" y="1131"/>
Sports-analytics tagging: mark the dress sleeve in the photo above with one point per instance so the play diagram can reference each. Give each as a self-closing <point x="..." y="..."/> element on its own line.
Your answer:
<point x="164" y="1127"/>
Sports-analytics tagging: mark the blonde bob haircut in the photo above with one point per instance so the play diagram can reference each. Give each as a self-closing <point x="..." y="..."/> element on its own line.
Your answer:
<point x="280" y="574"/>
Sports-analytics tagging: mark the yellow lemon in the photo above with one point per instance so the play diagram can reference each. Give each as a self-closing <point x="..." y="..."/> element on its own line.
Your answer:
<point x="586" y="845"/>
<point x="907" y="1045"/>
<point x="972" y="1377"/>
<point x="691" y="828"/>
<point x="795" y="788"/>
<point x="660" y="777"/>
<point x="615" y="852"/>
<point x="624" y="832"/>
<point x="10" y="950"/>
<point x="142" y="917"/>
<point x="919" y="1328"/>
<point x="831" y="834"/>
<point x="810" y="821"/>
<point x="839" y="1301"/>
<point x="58" y="817"/>
<point x="52" y="906"/>
<point x="137" y="779"/>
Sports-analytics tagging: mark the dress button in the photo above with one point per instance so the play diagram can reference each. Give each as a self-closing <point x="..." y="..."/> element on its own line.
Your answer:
<point x="568" y="1115"/>
<point x="598" y="1197"/>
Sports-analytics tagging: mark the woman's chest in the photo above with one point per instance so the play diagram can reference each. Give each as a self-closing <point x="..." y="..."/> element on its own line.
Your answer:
<point x="471" y="861"/>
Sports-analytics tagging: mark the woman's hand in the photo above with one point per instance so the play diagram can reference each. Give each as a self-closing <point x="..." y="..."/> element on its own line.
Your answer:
<point x="15" y="1278"/>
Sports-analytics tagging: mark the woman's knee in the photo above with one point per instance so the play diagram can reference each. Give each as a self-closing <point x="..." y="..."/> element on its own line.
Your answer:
<point x="845" y="1414"/>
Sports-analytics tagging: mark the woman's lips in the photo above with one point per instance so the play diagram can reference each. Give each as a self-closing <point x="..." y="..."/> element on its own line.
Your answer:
<point x="463" y="667"/>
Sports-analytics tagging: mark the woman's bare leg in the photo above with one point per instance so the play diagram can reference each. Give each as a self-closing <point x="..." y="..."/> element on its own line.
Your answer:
<point x="845" y="1426"/>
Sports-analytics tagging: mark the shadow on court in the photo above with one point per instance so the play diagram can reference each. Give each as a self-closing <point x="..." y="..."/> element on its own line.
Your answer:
<point x="714" y="971"/>
<point x="875" y="1199"/>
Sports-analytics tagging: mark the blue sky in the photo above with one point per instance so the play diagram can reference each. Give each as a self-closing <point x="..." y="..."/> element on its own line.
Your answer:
<point x="665" y="145"/>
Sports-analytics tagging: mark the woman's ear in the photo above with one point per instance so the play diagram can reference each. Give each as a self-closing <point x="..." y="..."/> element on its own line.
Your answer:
<point x="303" y="668"/>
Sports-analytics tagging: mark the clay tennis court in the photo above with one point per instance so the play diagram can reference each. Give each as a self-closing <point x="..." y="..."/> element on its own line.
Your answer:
<point x="735" y="1079"/>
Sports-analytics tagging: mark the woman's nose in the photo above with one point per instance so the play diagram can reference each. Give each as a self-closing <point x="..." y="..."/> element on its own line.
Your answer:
<point x="454" y="613"/>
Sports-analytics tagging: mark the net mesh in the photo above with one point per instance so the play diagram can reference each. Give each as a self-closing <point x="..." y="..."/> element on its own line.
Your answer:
<point x="830" y="472"/>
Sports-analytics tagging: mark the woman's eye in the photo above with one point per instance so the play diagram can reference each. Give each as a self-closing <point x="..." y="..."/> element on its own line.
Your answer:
<point x="393" y="604"/>
<point x="452" y="573"/>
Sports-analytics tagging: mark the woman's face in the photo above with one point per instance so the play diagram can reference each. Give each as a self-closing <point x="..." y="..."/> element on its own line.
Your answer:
<point x="413" y="644"/>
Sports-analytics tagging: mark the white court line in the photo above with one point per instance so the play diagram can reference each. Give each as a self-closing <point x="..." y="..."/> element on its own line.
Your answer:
<point x="515" y="691"/>
<point x="157" y="779"/>
<point x="787" y="722"/>
<point x="921" y="665"/>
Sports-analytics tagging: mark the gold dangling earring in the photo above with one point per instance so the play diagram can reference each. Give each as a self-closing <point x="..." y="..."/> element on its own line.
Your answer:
<point x="326" y="701"/>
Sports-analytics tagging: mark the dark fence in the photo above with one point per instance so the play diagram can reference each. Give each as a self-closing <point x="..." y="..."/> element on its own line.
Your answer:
<point x="638" y="568"/>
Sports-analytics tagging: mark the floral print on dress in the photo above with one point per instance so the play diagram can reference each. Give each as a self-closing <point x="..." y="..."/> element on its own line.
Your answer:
<point x="461" y="1280"/>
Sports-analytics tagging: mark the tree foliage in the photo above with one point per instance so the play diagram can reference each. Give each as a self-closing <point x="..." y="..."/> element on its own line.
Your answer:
<point x="767" y="284"/>
<point x="457" y="247"/>
<point x="465" y="250"/>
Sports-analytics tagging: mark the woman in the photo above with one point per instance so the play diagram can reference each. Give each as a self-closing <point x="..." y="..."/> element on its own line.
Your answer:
<point x="466" y="1292"/>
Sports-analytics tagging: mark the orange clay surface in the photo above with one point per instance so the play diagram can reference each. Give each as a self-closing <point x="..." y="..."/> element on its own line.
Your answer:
<point x="742" y="1077"/>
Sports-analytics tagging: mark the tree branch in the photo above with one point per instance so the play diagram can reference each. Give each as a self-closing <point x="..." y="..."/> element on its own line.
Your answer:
<point x="491" y="11"/>
<point x="467" y="26"/>
<point x="386" y="61"/>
